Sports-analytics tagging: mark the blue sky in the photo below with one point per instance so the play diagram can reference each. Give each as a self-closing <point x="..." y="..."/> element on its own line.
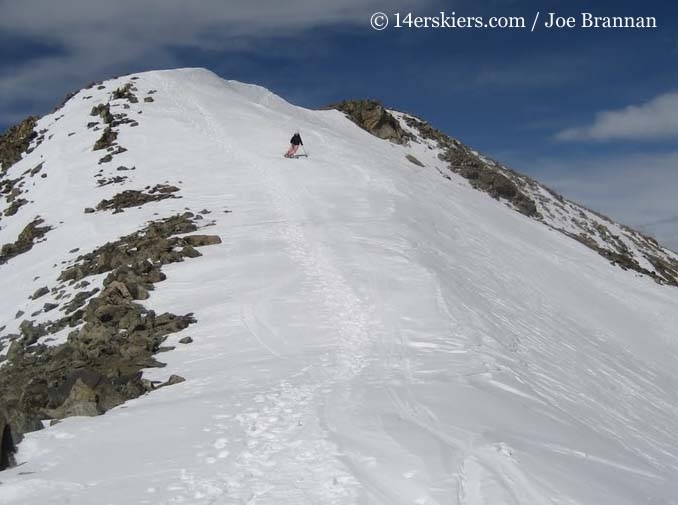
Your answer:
<point x="593" y="113"/>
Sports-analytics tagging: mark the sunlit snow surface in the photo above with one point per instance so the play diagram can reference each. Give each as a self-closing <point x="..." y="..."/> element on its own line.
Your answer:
<point x="368" y="331"/>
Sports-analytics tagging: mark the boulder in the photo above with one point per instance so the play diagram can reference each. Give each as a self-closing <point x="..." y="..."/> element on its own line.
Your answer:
<point x="202" y="240"/>
<point x="371" y="116"/>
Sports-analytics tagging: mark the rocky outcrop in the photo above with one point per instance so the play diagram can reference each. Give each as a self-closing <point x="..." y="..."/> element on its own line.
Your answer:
<point x="126" y="93"/>
<point x="414" y="160"/>
<point x="135" y="198"/>
<point x="541" y="203"/>
<point x="103" y="111"/>
<point x="489" y="179"/>
<point x="107" y="139"/>
<point x="482" y="175"/>
<point x="114" y="337"/>
<point x="371" y="116"/>
<point x="7" y="443"/>
<point x="29" y="236"/>
<point x="15" y="141"/>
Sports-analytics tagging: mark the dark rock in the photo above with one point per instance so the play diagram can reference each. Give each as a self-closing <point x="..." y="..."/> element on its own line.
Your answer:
<point x="117" y="179"/>
<point x="148" y="99"/>
<point x="27" y="238"/>
<point x="202" y="240"/>
<point x="15" y="206"/>
<point x="106" y="140"/>
<point x="371" y="116"/>
<point x="89" y="210"/>
<point x="135" y="198"/>
<point x="103" y="111"/>
<point x="7" y="443"/>
<point x="35" y="170"/>
<point x="174" y="379"/>
<point x="186" y="340"/>
<point x="99" y="366"/>
<point x="31" y="332"/>
<point x="15" y="141"/>
<point x="49" y="306"/>
<point x="483" y="175"/>
<point x="125" y="92"/>
<point x="414" y="160"/>
<point x="40" y="292"/>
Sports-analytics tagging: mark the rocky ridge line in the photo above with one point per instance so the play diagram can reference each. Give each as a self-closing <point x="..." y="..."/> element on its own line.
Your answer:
<point x="114" y="337"/>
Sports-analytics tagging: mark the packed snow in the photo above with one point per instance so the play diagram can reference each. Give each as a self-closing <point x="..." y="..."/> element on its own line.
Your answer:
<point x="368" y="331"/>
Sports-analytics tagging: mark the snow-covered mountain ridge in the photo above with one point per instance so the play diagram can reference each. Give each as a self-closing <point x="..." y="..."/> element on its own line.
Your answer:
<point x="362" y="326"/>
<point x="622" y="245"/>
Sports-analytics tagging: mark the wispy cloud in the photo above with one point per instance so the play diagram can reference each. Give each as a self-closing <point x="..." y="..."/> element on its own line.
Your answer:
<point x="656" y="119"/>
<point x="101" y="38"/>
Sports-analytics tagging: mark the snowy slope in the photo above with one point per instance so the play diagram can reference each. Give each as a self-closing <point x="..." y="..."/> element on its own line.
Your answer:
<point x="368" y="332"/>
<point x="620" y="244"/>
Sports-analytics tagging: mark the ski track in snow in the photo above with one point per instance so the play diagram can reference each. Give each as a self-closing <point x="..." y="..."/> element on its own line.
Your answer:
<point x="369" y="333"/>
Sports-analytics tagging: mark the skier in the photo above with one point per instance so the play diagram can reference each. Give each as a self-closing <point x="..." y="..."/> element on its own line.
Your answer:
<point x="295" y="142"/>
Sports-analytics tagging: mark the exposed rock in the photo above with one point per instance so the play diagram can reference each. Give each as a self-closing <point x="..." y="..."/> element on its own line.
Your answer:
<point x="79" y="300"/>
<point x="125" y="92"/>
<point x="15" y="141"/>
<point x="108" y="137"/>
<point x="482" y="174"/>
<point x="7" y="443"/>
<point x="30" y="332"/>
<point x="135" y="198"/>
<point x="174" y="379"/>
<point x="29" y="235"/>
<point x="414" y="160"/>
<point x="371" y="116"/>
<point x="99" y="366"/>
<point x="186" y="340"/>
<point x="15" y="206"/>
<point x="485" y="178"/>
<point x="148" y="99"/>
<point x="35" y="170"/>
<point x="89" y="210"/>
<point x="103" y="111"/>
<point x="202" y="240"/>
<point x="81" y="401"/>
<point x="117" y="179"/>
<point x="40" y="292"/>
<point x="524" y="194"/>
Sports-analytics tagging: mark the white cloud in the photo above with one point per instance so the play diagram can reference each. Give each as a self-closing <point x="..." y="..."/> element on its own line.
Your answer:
<point x="102" y="38"/>
<point x="653" y="120"/>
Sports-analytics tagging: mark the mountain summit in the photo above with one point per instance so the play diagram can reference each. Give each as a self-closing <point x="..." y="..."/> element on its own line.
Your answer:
<point x="395" y="319"/>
